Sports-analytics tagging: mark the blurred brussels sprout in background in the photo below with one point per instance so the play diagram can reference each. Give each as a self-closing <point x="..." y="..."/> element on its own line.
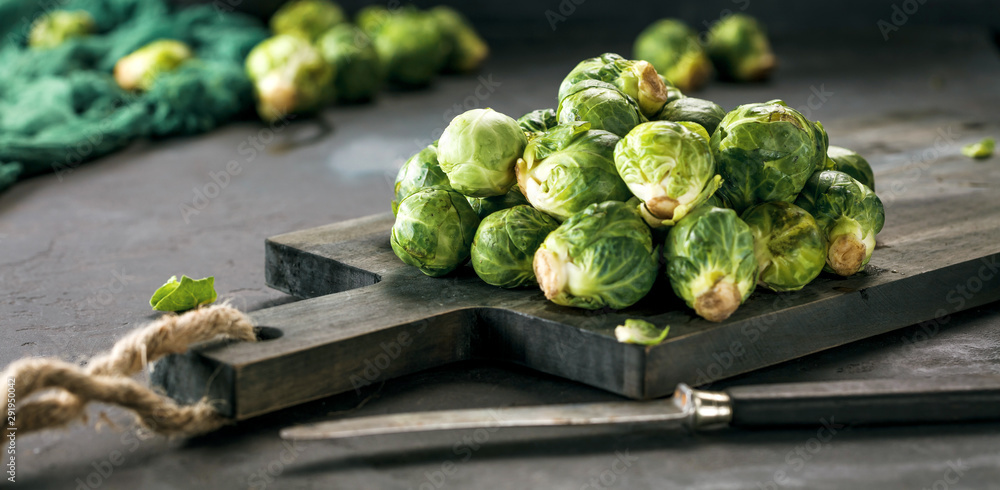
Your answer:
<point x="371" y="18"/>
<point x="433" y="231"/>
<point x="505" y="244"/>
<point x="358" y="72"/>
<point x="669" y="167"/>
<point x="569" y="168"/>
<point x="636" y="79"/>
<point x="789" y="245"/>
<point x="289" y="76"/>
<point x="673" y="48"/>
<point x="601" y="105"/>
<point x="538" y="120"/>
<point x="410" y="45"/>
<point x="766" y="152"/>
<point x="421" y="171"/>
<point x="307" y="18"/>
<point x="711" y="262"/>
<point x="485" y="206"/>
<point x="739" y="48"/>
<point x="848" y="213"/>
<point x="601" y="256"/>
<point x="478" y="150"/>
<point x="704" y="112"/>
<point x="139" y="69"/>
<point x="849" y="162"/>
<point x="54" y="28"/>
<point x="640" y="332"/>
<point x="468" y="50"/>
<point x="978" y="150"/>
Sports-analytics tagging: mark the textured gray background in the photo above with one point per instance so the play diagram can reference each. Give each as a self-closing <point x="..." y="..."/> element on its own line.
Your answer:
<point x="81" y="253"/>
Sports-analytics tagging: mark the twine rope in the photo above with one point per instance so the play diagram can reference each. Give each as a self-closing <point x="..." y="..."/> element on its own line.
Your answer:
<point x="107" y="378"/>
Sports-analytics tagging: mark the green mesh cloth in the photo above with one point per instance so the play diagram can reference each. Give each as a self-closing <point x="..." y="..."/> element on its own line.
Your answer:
<point x="61" y="107"/>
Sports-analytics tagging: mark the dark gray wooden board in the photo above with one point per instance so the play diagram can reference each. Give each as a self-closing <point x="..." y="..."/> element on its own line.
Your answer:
<point x="369" y="317"/>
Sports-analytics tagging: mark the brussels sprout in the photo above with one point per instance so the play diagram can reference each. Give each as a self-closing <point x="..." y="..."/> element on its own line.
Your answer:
<point x="55" y="27"/>
<point x="307" y="18"/>
<point x="601" y="256"/>
<point x="358" y="72"/>
<point x="569" y="168"/>
<point x="139" y="69"/>
<point x="739" y="48"/>
<point x="766" y="152"/>
<point x="981" y="149"/>
<point x="636" y="79"/>
<point x="485" y="206"/>
<point x="433" y="231"/>
<point x="289" y="76"/>
<point x="710" y="262"/>
<point x="370" y="19"/>
<point x="468" y="50"/>
<point x="478" y="150"/>
<point x="673" y="48"/>
<point x="704" y="112"/>
<point x="505" y="245"/>
<point x="848" y="213"/>
<point x="421" y="171"/>
<point x="849" y="162"/>
<point x="538" y="121"/>
<point x="788" y="243"/>
<point x="411" y="46"/>
<point x="640" y="332"/>
<point x="669" y="167"/>
<point x="602" y="105"/>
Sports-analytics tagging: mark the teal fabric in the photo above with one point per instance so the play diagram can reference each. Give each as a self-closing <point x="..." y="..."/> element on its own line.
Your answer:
<point x="61" y="107"/>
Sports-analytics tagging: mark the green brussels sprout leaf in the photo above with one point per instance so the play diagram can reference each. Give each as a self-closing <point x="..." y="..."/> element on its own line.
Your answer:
<point x="538" y="121"/>
<point x="979" y="150"/>
<point x="640" y="332"/>
<point x="485" y="206"/>
<point x="184" y="294"/>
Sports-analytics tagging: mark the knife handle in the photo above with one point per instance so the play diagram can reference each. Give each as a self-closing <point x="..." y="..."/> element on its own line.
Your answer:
<point x="867" y="402"/>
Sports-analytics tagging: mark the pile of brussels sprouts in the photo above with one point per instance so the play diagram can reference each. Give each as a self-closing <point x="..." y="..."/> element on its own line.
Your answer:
<point x="589" y="199"/>
<point x="317" y="57"/>
<point x="736" y="45"/>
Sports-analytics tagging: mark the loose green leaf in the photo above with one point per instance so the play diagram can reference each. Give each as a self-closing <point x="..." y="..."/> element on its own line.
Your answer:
<point x="184" y="295"/>
<point x="640" y="332"/>
<point x="982" y="149"/>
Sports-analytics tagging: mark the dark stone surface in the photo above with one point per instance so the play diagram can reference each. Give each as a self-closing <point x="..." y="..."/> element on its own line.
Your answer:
<point x="67" y="246"/>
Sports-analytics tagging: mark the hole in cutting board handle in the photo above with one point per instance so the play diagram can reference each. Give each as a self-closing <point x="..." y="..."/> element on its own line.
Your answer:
<point x="267" y="333"/>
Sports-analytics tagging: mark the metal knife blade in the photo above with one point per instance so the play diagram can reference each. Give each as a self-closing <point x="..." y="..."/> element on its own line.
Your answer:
<point x="687" y="407"/>
<point x="864" y="402"/>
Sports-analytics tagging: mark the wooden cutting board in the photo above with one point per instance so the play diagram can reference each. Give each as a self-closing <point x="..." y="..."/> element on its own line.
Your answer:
<point x="369" y="317"/>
